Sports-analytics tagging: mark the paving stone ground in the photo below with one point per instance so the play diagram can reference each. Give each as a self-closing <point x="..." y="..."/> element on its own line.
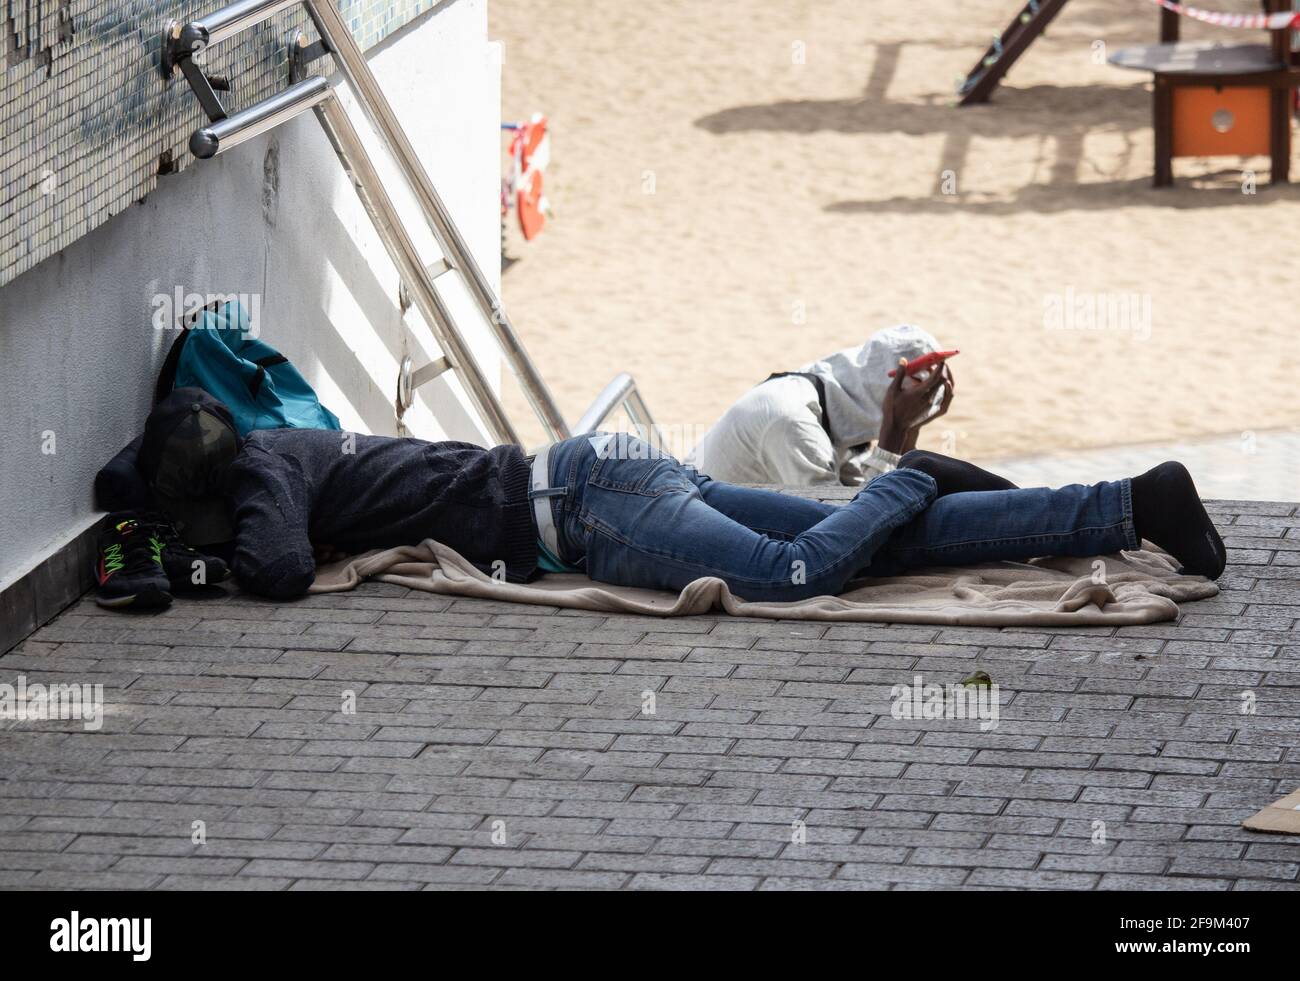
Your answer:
<point x="506" y="746"/>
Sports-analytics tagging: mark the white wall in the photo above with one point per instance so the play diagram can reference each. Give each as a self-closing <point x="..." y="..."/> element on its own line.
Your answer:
<point x="275" y="217"/>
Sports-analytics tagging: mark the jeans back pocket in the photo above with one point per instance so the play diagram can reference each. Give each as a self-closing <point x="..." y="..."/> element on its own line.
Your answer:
<point x="632" y="466"/>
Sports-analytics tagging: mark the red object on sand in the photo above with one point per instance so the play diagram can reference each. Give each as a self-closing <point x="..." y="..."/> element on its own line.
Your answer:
<point x="926" y="361"/>
<point x="531" y="218"/>
<point x="532" y="152"/>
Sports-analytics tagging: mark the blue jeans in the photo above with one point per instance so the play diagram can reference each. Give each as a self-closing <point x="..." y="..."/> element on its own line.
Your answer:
<point x="632" y="516"/>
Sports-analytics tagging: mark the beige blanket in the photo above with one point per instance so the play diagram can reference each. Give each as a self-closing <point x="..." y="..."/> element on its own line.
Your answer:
<point x="1117" y="590"/>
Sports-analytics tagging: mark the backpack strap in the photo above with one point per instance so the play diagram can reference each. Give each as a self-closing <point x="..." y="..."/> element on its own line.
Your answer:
<point x="167" y="375"/>
<point x="270" y="361"/>
<point x="819" y="383"/>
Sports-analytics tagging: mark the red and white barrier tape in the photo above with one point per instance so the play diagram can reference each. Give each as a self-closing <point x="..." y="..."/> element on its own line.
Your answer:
<point x="1269" y="22"/>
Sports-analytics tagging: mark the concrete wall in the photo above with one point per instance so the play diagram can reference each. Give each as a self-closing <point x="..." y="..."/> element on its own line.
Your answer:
<point x="276" y="219"/>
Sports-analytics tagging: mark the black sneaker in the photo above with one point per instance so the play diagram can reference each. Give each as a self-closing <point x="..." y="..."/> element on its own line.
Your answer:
<point x="186" y="568"/>
<point x="130" y="569"/>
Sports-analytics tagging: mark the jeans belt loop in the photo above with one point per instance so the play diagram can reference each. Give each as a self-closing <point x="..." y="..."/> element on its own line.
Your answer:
<point x="546" y="529"/>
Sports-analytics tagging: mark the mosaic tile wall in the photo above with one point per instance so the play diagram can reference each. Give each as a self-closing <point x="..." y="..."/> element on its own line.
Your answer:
<point x="87" y="121"/>
<point x="373" y="20"/>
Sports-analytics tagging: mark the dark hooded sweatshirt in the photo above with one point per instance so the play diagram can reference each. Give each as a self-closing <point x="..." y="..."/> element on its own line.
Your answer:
<point x="293" y="488"/>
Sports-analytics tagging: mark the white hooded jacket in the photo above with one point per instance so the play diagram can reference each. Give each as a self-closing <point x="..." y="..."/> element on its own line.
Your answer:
<point x="773" y="434"/>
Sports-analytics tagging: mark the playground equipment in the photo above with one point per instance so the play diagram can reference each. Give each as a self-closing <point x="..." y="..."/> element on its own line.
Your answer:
<point x="1024" y="30"/>
<point x="1006" y="50"/>
<point x="1210" y="98"/>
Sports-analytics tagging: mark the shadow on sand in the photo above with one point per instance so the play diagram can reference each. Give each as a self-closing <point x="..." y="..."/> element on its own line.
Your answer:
<point x="1062" y="117"/>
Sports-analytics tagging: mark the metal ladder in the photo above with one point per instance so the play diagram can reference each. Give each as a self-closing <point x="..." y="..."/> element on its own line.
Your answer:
<point x="180" y="44"/>
<point x="1006" y="49"/>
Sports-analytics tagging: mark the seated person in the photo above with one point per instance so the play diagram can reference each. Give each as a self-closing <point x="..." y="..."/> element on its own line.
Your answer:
<point x="840" y="420"/>
<point x="617" y="509"/>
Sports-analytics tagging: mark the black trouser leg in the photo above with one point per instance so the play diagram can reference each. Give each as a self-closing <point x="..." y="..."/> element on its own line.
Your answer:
<point x="954" y="476"/>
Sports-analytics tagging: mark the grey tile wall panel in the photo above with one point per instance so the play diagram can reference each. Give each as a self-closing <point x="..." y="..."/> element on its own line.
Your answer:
<point x="86" y="117"/>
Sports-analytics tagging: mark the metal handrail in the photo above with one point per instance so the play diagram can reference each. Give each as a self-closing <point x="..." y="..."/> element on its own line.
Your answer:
<point x="352" y="63"/>
<point x="315" y="93"/>
<point x="365" y="179"/>
<point x="261" y="118"/>
<point x="619" y="393"/>
<point x="233" y="19"/>
<point x="182" y="41"/>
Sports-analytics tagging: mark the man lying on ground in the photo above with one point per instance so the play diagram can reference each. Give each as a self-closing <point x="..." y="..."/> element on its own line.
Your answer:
<point x="839" y="420"/>
<point x="615" y="508"/>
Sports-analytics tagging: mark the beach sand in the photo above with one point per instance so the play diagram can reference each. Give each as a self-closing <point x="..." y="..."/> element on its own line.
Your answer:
<point x="743" y="186"/>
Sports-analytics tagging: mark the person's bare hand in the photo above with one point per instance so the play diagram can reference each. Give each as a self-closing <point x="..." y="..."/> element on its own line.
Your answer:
<point x="906" y="410"/>
<point x="914" y="433"/>
<point x="949" y="388"/>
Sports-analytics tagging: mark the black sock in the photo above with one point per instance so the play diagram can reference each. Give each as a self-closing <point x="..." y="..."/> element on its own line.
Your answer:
<point x="1168" y="511"/>
<point x="954" y="476"/>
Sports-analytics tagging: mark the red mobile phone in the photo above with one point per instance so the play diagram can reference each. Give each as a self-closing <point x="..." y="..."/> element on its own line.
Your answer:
<point x="926" y="361"/>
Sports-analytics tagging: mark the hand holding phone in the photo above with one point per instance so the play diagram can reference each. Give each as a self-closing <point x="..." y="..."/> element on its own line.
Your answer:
<point x="925" y="362"/>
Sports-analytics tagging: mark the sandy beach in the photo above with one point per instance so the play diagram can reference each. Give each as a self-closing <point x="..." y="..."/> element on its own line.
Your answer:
<point x="742" y="186"/>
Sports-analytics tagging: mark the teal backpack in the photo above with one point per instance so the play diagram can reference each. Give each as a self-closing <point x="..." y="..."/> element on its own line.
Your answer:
<point x="254" y="380"/>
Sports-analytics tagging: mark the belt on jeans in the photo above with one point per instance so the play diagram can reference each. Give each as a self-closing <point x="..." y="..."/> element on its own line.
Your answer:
<point x="541" y="485"/>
